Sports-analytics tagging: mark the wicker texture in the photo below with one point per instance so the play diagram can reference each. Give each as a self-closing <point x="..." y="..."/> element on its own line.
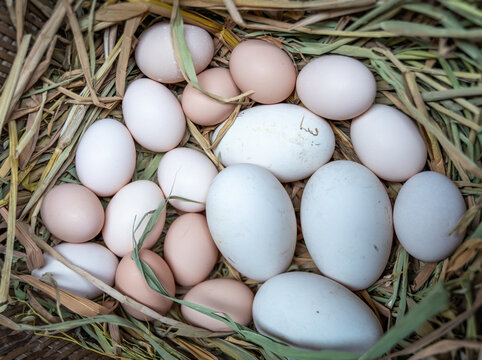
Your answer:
<point x="34" y="19"/>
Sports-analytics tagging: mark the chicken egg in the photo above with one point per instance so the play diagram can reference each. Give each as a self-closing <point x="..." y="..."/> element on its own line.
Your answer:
<point x="155" y="55"/>
<point x="189" y="249"/>
<point x="125" y="215"/>
<point x="72" y="213"/>
<point x="336" y="87"/>
<point x="188" y="174"/>
<point x="227" y="296"/>
<point x="106" y="157"/>
<point x="153" y="115"/>
<point x="263" y="67"/>
<point x="388" y="143"/>
<point x="204" y="110"/>
<point x="426" y="210"/>
<point x="130" y="282"/>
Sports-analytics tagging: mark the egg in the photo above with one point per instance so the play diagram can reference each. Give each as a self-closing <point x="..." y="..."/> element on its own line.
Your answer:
<point x="388" y="143"/>
<point x="426" y="210"/>
<point x="91" y="257"/>
<point x="227" y="296"/>
<point x="126" y="212"/>
<point x="336" y="87"/>
<point x="312" y="312"/>
<point x="346" y="219"/>
<point x="155" y="57"/>
<point x="189" y="249"/>
<point x="204" y="110"/>
<point x="252" y="221"/>
<point x="263" y="67"/>
<point x="130" y="282"/>
<point x="72" y="213"/>
<point x="186" y="173"/>
<point x="153" y="115"/>
<point x="288" y="140"/>
<point x="106" y="157"/>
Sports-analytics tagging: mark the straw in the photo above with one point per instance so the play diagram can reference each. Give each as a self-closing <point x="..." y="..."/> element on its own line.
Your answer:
<point x="427" y="61"/>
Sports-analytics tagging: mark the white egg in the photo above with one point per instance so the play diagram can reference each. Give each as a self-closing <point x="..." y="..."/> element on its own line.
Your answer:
<point x="187" y="174"/>
<point x="153" y="115"/>
<point x="426" y="210"/>
<point x="336" y="87"/>
<point x="312" y="312"/>
<point x="93" y="258"/>
<point x="252" y="221"/>
<point x="126" y="214"/>
<point x="346" y="219"/>
<point x="155" y="54"/>
<point x="289" y="140"/>
<point x="388" y="143"/>
<point x="106" y="157"/>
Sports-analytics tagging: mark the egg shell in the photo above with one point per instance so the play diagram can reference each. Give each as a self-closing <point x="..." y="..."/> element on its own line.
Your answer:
<point x="155" y="57"/>
<point x="388" y="143"/>
<point x="72" y="213"/>
<point x="204" y="110"/>
<point x="153" y="115"/>
<point x="346" y="219"/>
<point x="426" y="210"/>
<point x="106" y="157"/>
<point x="252" y="221"/>
<point x="312" y="312"/>
<point x="126" y="210"/>
<point x="96" y="259"/>
<point x="263" y="67"/>
<point x="129" y="281"/>
<point x="186" y="173"/>
<point x="336" y="87"/>
<point x="288" y="140"/>
<point x="189" y="249"/>
<point x="226" y="296"/>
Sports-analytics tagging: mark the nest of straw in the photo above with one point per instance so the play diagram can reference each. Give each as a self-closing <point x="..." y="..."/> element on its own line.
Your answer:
<point x="75" y="69"/>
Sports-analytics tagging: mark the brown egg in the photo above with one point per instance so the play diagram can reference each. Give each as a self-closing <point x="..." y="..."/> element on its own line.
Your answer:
<point x="265" y="68"/>
<point x="189" y="249"/>
<point x="72" y="213"/>
<point x="204" y="110"/>
<point x="227" y="296"/>
<point x="129" y="281"/>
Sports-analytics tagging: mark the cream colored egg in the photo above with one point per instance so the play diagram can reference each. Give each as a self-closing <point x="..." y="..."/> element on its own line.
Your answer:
<point x="186" y="173"/>
<point x="153" y="115"/>
<point x="96" y="259"/>
<point x="388" y="143"/>
<point x="336" y="87"/>
<point x="127" y="214"/>
<point x="106" y="157"/>
<point x="155" y="55"/>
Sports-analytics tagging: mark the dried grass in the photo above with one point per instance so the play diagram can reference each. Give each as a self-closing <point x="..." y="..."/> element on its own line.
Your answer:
<point x="427" y="61"/>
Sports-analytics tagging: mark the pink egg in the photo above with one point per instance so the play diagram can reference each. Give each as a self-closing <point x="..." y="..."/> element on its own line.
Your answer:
<point x="72" y="213"/>
<point x="189" y="249"/>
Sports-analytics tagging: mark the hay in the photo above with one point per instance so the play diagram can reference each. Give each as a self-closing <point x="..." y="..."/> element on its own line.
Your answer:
<point x="427" y="63"/>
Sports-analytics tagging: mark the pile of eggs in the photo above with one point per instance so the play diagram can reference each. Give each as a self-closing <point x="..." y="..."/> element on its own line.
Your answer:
<point x="346" y="215"/>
